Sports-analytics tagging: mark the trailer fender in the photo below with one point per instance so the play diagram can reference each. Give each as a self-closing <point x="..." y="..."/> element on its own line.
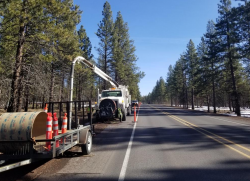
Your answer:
<point x="83" y="136"/>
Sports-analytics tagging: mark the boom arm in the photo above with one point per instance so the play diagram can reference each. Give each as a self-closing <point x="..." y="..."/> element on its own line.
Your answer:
<point x="95" y="70"/>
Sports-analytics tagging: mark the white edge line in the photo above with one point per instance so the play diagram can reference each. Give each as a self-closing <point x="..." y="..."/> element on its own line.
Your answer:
<point x="126" y="158"/>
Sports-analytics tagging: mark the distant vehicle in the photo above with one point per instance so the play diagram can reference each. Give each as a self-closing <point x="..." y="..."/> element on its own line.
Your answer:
<point x="135" y="103"/>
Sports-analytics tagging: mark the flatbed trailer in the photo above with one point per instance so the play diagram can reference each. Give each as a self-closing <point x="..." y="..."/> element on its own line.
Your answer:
<point x="36" y="149"/>
<point x="81" y="137"/>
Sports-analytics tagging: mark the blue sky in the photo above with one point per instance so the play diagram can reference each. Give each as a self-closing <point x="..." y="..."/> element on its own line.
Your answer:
<point x="160" y="29"/>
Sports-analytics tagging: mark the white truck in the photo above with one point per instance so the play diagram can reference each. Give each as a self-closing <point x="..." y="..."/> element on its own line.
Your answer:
<point x="114" y="103"/>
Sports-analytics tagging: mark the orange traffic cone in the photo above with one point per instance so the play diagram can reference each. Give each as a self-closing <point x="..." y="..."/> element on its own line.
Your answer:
<point x="46" y="108"/>
<point x="49" y="131"/>
<point x="64" y="123"/>
<point x="55" y="128"/>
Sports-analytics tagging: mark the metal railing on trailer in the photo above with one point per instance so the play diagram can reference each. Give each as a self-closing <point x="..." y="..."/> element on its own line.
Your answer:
<point x="77" y="105"/>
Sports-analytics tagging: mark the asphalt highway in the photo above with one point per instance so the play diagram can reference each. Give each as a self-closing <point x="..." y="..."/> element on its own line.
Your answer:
<point x="165" y="144"/>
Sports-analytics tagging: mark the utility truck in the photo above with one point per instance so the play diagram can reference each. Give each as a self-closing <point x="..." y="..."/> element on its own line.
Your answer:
<point x="114" y="102"/>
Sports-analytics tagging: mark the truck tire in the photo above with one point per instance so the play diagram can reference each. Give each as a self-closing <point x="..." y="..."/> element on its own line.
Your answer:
<point x="86" y="148"/>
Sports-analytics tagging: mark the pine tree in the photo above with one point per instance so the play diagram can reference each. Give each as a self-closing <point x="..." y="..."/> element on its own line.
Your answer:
<point x="191" y="60"/>
<point x="162" y="90"/>
<point x="225" y="31"/>
<point x="203" y="74"/>
<point x="179" y="82"/>
<point x="120" y="37"/>
<point x="84" y="76"/>
<point x="85" y="44"/>
<point x="21" y="19"/>
<point x="170" y="83"/>
<point x="105" y="33"/>
<point x="213" y="61"/>
<point x="36" y="31"/>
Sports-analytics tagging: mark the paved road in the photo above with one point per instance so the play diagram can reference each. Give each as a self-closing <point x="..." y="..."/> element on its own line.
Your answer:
<point x="166" y="144"/>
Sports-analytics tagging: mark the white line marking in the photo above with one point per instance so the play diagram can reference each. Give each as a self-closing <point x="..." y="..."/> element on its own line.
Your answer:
<point x="126" y="159"/>
<point x="229" y="121"/>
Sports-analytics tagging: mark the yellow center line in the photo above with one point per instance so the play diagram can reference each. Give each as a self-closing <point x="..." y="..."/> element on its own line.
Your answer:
<point x="198" y="129"/>
<point x="215" y="135"/>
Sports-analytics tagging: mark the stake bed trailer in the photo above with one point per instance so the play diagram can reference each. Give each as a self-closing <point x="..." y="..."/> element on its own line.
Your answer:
<point x="35" y="150"/>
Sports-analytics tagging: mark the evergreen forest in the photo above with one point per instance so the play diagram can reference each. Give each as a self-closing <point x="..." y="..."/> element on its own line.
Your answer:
<point x="38" y="41"/>
<point x="216" y="72"/>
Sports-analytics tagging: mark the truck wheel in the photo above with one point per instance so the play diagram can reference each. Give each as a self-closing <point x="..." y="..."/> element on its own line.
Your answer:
<point x="86" y="148"/>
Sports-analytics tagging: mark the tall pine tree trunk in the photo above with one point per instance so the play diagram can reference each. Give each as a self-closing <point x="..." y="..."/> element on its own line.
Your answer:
<point x="52" y="83"/>
<point x="235" y="92"/>
<point x="186" y="97"/>
<point x="62" y="87"/>
<point x="33" y="102"/>
<point x="214" y="103"/>
<point x="15" y="85"/>
<point x="183" y="89"/>
<point x="192" y="98"/>
<point x="105" y="67"/>
<point x="20" y="93"/>
<point x="27" y="98"/>
<point x="229" y="102"/>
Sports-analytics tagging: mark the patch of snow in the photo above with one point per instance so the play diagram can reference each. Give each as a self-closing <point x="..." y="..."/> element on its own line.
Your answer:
<point x="245" y="112"/>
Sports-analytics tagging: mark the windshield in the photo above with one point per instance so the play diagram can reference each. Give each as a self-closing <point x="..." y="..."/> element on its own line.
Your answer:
<point x="112" y="94"/>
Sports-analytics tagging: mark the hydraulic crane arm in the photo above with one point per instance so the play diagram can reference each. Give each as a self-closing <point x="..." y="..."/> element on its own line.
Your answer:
<point x="95" y="70"/>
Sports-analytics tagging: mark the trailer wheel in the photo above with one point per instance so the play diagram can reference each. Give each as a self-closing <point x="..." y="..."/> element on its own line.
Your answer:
<point x="86" y="148"/>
